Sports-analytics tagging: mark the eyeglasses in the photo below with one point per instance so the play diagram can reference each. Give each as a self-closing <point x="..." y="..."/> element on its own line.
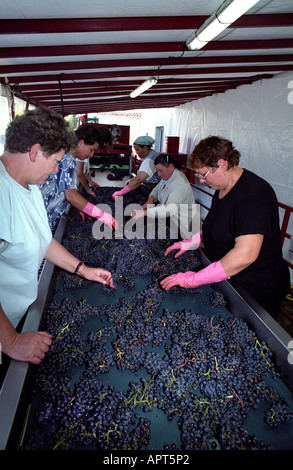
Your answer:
<point x="203" y="177"/>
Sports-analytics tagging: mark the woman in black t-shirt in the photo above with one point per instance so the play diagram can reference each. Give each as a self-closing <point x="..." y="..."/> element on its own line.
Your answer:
<point x="241" y="233"/>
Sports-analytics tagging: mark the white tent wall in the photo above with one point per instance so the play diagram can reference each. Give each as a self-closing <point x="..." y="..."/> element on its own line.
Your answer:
<point x="258" y="118"/>
<point x="5" y="106"/>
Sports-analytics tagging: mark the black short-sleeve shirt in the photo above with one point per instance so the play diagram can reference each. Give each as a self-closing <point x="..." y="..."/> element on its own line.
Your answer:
<point x="250" y="207"/>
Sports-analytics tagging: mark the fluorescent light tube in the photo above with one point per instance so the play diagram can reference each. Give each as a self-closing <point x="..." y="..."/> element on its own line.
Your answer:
<point x="148" y="83"/>
<point x="234" y="10"/>
<point x="219" y="21"/>
<point x="208" y="33"/>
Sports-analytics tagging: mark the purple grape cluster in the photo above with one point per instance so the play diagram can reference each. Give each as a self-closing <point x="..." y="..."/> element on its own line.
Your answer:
<point x="205" y="375"/>
<point x="217" y="299"/>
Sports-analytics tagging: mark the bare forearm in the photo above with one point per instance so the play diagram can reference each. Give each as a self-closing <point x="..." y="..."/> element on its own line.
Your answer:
<point x="84" y="180"/>
<point x="59" y="256"/>
<point x="162" y="211"/>
<point x="244" y="253"/>
<point x="75" y="199"/>
<point x="8" y="333"/>
<point x="137" y="180"/>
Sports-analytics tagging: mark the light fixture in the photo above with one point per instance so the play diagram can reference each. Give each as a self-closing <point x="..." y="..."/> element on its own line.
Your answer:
<point x="148" y="83"/>
<point x="228" y="12"/>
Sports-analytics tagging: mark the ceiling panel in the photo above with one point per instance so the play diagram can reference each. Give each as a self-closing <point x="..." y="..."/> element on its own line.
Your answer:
<point x="82" y="57"/>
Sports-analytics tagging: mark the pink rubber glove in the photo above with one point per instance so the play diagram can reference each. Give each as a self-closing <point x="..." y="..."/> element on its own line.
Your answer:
<point x="185" y="245"/>
<point x="123" y="191"/>
<point x="212" y="273"/>
<point x="93" y="211"/>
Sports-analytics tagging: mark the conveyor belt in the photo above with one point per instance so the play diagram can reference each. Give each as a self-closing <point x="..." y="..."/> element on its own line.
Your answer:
<point x="16" y="391"/>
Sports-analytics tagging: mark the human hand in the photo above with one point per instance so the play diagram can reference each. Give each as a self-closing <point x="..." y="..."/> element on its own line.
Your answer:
<point x="116" y="194"/>
<point x="148" y="205"/>
<point x="185" y="245"/>
<point x="100" y="215"/>
<point x="123" y="191"/>
<point x="109" y="220"/>
<point x="137" y="214"/>
<point x="175" y="246"/>
<point x="30" y="346"/>
<point x="82" y="215"/>
<point x="178" y="279"/>
<point x="97" y="274"/>
<point x="214" y="272"/>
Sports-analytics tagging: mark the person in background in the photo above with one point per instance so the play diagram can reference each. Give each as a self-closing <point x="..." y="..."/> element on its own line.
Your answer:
<point x="61" y="188"/>
<point x="83" y="166"/>
<point x="173" y="194"/>
<point x="146" y="177"/>
<point x="241" y="233"/>
<point x="35" y="144"/>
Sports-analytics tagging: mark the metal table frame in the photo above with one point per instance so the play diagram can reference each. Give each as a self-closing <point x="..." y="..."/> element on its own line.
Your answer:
<point x="15" y="389"/>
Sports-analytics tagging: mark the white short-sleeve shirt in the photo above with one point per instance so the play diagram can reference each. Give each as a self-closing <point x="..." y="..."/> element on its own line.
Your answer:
<point x="147" y="165"/>
<point x="25" y="236"/>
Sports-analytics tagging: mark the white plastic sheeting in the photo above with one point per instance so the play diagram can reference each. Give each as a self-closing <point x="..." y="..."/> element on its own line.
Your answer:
<point x="258" y="118"/>
<point x="5" y="102"/>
